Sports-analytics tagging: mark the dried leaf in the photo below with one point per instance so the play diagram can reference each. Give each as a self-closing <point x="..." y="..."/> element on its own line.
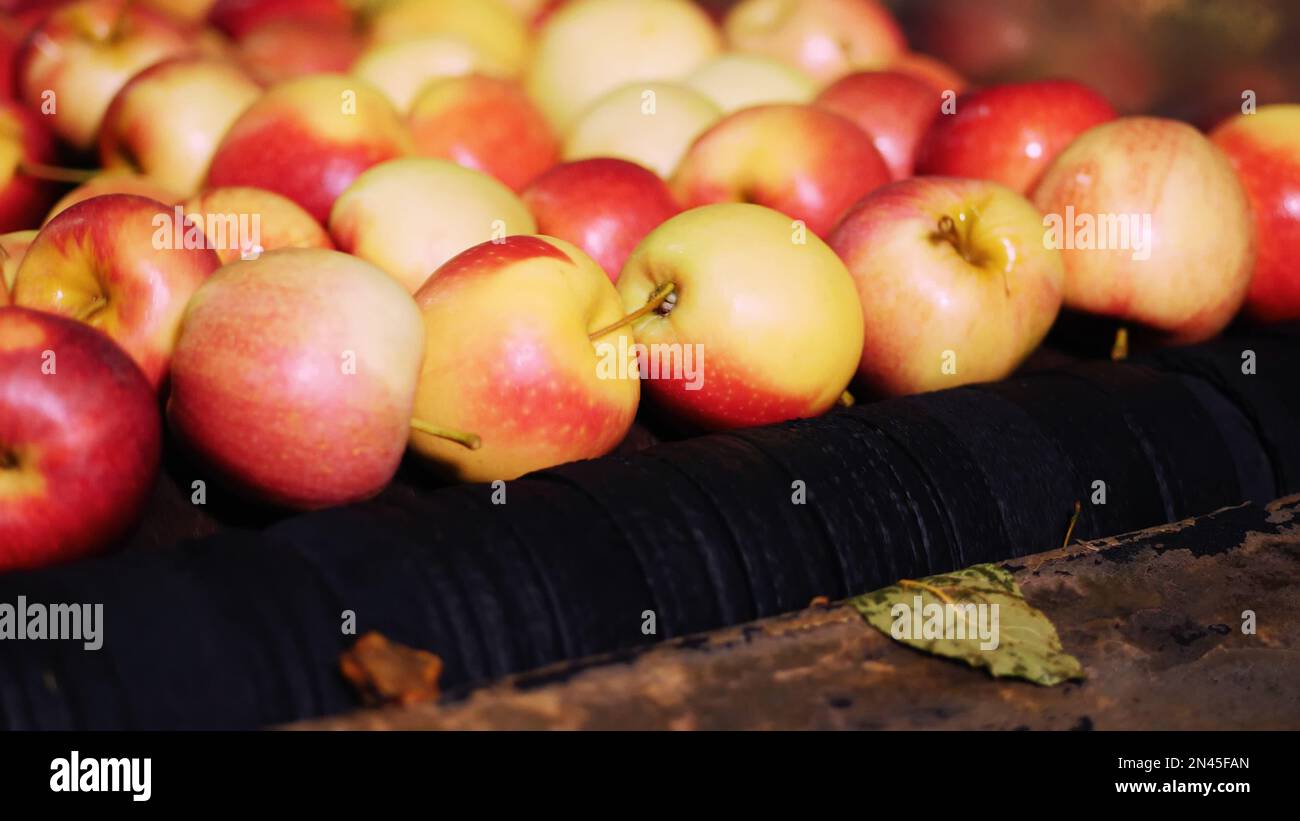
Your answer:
<point x="385" y="672"/>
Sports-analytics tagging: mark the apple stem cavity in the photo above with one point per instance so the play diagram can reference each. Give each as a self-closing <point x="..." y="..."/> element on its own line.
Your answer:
<point x="466" y="440"/>
<point x="662" y="296"/>
<point x="54" y="173"/>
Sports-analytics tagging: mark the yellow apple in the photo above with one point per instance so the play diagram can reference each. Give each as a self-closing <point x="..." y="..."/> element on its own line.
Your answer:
<point x="735" y="81"/>
<point x="590" y="47"/>
<point x="647" y="123"/>
<point x="763" y="324"/>
<point x="409" y="216"/>
<point x="490" y="27"/>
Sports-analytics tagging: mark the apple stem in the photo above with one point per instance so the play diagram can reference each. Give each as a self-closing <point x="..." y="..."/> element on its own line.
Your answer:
<point x="658" y="297"/>
<point x="55" y="173"/>
<point x="1074" y="520"/>
<point x="467" y="440"/>
<point x="847" y="400"/>
<point x="1119" y="350"/>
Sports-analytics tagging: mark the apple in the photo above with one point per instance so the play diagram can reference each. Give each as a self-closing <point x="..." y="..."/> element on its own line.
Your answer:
<point x="1264" y="149"/>
<point x="120" y="264"/>
<point x="804" y="161"/>
<point x="1171" y="242"/>
<point x="308" y="139"/>
<point x="26" y="145"/>
<point x="825" y="38"/>
<point x="955" y="283"/>
<point x="193" y="12"/>
<point x="14" y="28"/>
<point x="939" y="75"/>
<point x="587" y="48"/>
<point x="13" y="247"/>
<point x="735" y="81"/>
<point x="252" y="221"/>
<point x="893" y="107"/>
<point x="1010" y="133"/>
<point x="486" y="124"/>
<point x="409" y="216"/>
<point x="488" y="25"/>
<point x="113" y="182"/>
<point x="604" y="206"/>
<point x="510" y="356"/>
<point x="762" y="326"/>
<point x="285" y="50"/>
<point x="312" y="407"/>
<point x="240" y="17"/>
<point x="76" y="60"/>
<point x="167" y="120"/>
<point x="651" y="124"/>
<point x="80" y="440"/>
<point x="402" y="70"/>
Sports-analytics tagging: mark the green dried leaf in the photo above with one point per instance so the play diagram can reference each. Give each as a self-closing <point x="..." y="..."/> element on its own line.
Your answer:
<point x="977" y="615"/>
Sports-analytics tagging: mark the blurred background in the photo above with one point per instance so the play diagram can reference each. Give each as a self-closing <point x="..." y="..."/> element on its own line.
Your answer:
<point x="1190" y="59"/>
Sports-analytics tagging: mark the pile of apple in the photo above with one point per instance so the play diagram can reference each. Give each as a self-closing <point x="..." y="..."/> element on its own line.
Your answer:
<point x="473" y="224"/>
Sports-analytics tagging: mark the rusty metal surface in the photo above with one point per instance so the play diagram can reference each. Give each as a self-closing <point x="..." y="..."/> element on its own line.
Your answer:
<point x="1155" y="617"/>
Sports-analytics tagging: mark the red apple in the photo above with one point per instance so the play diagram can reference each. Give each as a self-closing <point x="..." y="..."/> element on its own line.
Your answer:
<point x="167" y="120"/>
<point x="955" y="283"/>
<point x="80" y="440"/>
<point x="113" y="182"/>
<point x="603" y="206"/>
<point x="1010" y="133"/>
<point x="1264" y="149"/>
<point x="804" y="161"/>
<point x="24" y="141"/>
<point x="295" y="374"/>
<point x="308" y="139"/>
<point x="252" y="221"/>
<point x="1153" y="226"/>
<point x="509" y="357"/>
<point x="894" y="108"/>
<point x="285" y="50"/>
<point x="762" y="325"/>
<point x="240" y="17"/>
<point x="122" y="264"/>
<point x="825" y="38"/>
<point x="486" y="124"/>
<point x="81" y="55"/>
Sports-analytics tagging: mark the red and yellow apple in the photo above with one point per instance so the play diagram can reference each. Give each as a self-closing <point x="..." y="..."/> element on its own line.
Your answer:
<point x="651" y="124"/>
<point x="766" y="317"/>
<point x="930" y="70"/>
<point x="486" y="124"/>
<point x="118" y="263"/>
<point x="402" y="70"/>
<point x="167" y="120"/>
<point x="77" y="59"/>
<point x="491" y="28"/>
<point x="1153" y="225"/>
<point x="604" y="206"/>
<point x="409" y="216"/>
<point x="240" y="17"/>
<point x="309" y="139"/>
<point x="1010" y="133"/>
<point x="803" y="161"/>
<point x="824" y="38"/>
<point x="284" y="50"/>
<point x="893" y="107"/>
<point x="955" y="283"/>
<point x="587" y="48"/>
<point x="253" y="221"/>
<point x="80" y="440"/>
<point x="1264" y="149"/>
<point x="510" y="358"/>
<point x="294" y="376"/>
